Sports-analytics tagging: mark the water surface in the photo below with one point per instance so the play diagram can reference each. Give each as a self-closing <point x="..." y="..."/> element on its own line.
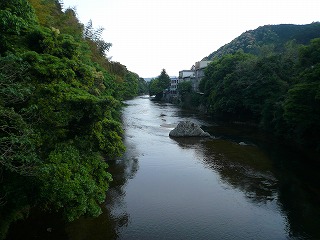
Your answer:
<point x="240" y="184"/>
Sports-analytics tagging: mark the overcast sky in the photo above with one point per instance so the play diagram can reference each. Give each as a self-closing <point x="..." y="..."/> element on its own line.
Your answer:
<point x="149" y="35"/>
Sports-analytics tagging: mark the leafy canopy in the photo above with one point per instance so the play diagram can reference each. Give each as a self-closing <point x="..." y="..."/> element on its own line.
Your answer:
<point x="60" y="103"/>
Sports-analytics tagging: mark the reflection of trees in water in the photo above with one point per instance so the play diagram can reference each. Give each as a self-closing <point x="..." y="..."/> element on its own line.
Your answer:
<point x="299" y="192"/>
<point x="302" y="209"/>
<point x="282" y="175"/>
<point x="243" y="167"/>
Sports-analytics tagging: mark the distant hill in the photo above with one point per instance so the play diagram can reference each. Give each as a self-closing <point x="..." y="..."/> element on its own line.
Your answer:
<point x="276" y="35"/>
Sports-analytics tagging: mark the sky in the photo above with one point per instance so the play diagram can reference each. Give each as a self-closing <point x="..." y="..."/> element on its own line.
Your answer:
<point x="150" y="35"/>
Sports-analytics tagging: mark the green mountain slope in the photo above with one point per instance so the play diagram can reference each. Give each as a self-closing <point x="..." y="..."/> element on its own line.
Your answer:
<point x="272" y="35"/>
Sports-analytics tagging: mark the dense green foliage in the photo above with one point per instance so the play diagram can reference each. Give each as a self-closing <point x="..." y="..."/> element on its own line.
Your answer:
<point x="187" y="97"/>
<point x="143" y="87"/>
<point x="184" y="87"/>
<point x="133" y="85"/>
<point x="159" y="84"/>
<point x="273" y="37"/>
<point x="60" y="100"/>
<point x="280" y="92"/>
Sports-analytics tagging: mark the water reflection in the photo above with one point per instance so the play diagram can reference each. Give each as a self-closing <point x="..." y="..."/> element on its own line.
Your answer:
<point x="299" y="192"/>
<point x="267" y="177"/>
<point x="269" y="174"/>
<point x="243" y="167"/>
<point x="192" y="188"/>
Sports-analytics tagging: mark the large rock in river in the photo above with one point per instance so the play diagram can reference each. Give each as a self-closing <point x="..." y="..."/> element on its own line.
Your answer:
<point x="188" y="129"/>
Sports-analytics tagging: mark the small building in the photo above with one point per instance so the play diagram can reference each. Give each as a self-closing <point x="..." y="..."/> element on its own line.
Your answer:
<point x="199" y="69"/>
<point x="194" y="75"/>
<point x="174" y="85"/>
<point x="170" y="94"/>
<point x="186" y="75"/>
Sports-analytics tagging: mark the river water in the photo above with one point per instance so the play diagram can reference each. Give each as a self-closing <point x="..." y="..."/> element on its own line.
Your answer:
<point x="239" y="184"/>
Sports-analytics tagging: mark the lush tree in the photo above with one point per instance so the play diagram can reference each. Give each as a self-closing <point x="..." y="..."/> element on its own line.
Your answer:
<point x="159" y="84"/>
<point x="188" y="98"/>
<point x="50" y="14"/>
<point x="143" y="86"/>
<point x="59" y="111"/>
<point x="184" y="87"/>
<point x="302" y="113"/>
<point x="164" y="79"/>
<point x="154" y="87"/>
<point x="16" y="16"/>
<point x="19" y="159"/>
<point x="310" y="55"/>
<point x="131" y="85"/>
<point x="222" y="88"/>
<point x="80" y="178"/>
<point x="47" y="11"/>
<point x="95" y="35"/>
<point x="277" y="91"/>
<point x="301" y="106"/>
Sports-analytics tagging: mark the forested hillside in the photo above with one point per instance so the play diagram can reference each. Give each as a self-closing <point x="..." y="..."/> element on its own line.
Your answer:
<point x="60" y="100"/>
<point x="269" y="37"/>
<point x="279" y="91"/>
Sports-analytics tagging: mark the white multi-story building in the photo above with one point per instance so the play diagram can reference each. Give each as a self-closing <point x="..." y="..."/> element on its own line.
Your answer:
<point x="194" y="75"/>
<point x="174" y="85"/>
<point x="186" y="75"/>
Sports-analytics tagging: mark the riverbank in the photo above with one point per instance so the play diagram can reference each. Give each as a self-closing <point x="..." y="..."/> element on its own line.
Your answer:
<point x="238" y="185"/>
<point x="192" y="102"/>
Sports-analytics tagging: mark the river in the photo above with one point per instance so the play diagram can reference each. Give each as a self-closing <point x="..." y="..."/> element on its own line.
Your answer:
<point x="240" y="184"/>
